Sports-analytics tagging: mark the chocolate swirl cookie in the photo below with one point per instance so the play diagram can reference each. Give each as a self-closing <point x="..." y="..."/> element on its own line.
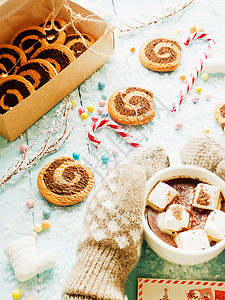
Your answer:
<point x="65" y="181"/>
<point x="132" y="106"/>
<point x="53" y="32"/>
<point x="58" y="55"/>
<point x="30" y="39"/>
<point x="37" y="71"/>
<point x="219" y="114"/>
<point x="11" y="57"/>
<point x="13" y="89"/>
<point x="161" y="54"/>
<point x="75" y="43"/>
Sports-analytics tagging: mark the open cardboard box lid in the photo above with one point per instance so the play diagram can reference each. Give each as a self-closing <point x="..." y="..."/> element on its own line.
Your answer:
<point x="17" y="14"/>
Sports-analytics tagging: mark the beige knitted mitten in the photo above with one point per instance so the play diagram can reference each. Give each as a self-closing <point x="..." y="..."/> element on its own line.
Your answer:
<point x="111" y="241"/>
<point x="205" y="152"/>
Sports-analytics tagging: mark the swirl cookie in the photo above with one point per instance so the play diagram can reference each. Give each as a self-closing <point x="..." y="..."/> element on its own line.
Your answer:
<point x="75" y="43"/>
<point x="65" y="181"/>
<point x="219" y="114"/>
<point x="132" y="106"/>
<point x="58" y="55"/>
<point x="2" y="70"/>
<point x="161" y="54"/>
<point x="11" y="57"/>
<point x="13" y="89"/>
<point x="30" y="39"/>
<point x="37" y="71"/>
<point x="53" y="35"/>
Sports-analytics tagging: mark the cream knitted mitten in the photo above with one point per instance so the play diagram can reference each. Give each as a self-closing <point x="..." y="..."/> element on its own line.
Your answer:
<point x="205" y="152"/>
<point x="111" y="241"/>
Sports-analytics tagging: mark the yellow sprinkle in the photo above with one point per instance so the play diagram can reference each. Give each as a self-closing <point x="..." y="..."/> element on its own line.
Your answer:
<point x="16" y="294"/>
<point x="84" y="116"/>
<point x="178" y="31"/>
<point x="206" y="130"/>
<point x="182" y="77"/>
<point x="200" y="29"/>
<point x="90" y="108"/>
<point x="192" y="29"/>
<point x="198" y="90"/>
<point x="132" y="50"/>
<point x="74" y="103"/>
<point x="38" y="228"/>
<point x="46" y="224"/>
<point x="205" y="76"/>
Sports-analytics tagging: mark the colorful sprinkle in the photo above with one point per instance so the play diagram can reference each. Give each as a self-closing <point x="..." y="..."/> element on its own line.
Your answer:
<point x="101" y="86"/>
<point x="46" y="224"/>
<point x="178" y="125"/>
<point x="208" y="97"/>
<point x="84" y="116"/>
<point x="30" y="203"/>
<point x="200" y="29"/>
<point x="115" y="151"/>
<point x="198" y="90"/>
<point x="94" y="118"/>
<point x="104" y="97"/>
<point x="81" y="110"/>
<point x="30" y="298"/>
<point x="74" y="103"/>
<point x="182" y="77"/>
<point x="206" y="130"/>
<point x="100" y="110"/>
<point x="195" y="98"/>
<point x="205" y="76"/>
<point x="46" y="212"/>
<point x="101" y="102"/>
<point x="33" y="234"/>
<point x="192" y="29"/>
<point x="104" y="159"/>
<point x="104" y="114"/>
<point x="23" y="148"/>
<point x="132" y="50"/>
<point x="76" y="155"/>
<point x="16" y="294"/>
<point x="90" y="108"/>
<point x="38" y="228"/>
<point x="178" y="31"/>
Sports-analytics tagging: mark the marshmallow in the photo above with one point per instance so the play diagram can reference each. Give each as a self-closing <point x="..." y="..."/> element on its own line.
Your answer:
<point x="162" y="195"/>
<point x="192" y="240"/>
<point x="215" y="225"/>
<point x="176" y="218"/>
<point x="207" y="197"/>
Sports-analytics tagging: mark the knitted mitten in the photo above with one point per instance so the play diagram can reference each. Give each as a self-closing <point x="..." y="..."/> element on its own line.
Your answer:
<point x="205" y="152"/>
<point x="111" y="242"/>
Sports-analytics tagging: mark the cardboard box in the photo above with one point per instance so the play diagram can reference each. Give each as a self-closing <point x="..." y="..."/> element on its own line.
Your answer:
<point x="16" y="14"/>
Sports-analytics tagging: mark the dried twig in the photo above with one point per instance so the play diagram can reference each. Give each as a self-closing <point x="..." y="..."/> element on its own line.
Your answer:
<point x="56" y="136"/>
<point x="128" y="27"/>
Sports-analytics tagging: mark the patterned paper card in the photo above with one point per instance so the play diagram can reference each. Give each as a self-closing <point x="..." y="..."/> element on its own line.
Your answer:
<point x="169" y="289"/>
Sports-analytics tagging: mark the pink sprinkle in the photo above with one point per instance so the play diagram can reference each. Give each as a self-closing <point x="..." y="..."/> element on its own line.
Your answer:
<point x="23" y="148"/>
<point x="101" y="103"/>
<point x="34" y="234"/>
<point x="100" y="110"/>
<point x="208" y="97"/>
<point x="30" y="203"/>
<point x="94" y="118"/>
<point x="115" y="151"/>
<point x="178" y="125"/>
<point x="81" y="110"/>
<point x="195" y="98"/>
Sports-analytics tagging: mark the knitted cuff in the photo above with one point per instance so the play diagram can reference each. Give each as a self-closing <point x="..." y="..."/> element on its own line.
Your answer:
<point x="99" y="273"/>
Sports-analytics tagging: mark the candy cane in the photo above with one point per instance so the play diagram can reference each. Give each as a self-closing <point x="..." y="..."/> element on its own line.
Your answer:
<point x="198" y="68"/>
<point x="109" y="123"/>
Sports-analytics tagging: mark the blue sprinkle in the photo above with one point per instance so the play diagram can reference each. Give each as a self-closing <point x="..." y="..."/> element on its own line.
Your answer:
<point x="104" y="115"/>
<point x="104" y="159"/>
<point x="101" y="85"/>
<point x="46" y="213"/>
<point x="76" y="155"/>
<point x="104" y="97"/>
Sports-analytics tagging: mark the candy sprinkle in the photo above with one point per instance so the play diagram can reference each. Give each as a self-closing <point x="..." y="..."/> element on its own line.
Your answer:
<point x="76" y="155"/>
<point x="84" y="116"/>
<point x="94" y="118"/>
<point x="205" y="76"/>
<point x="178" y="126"/>
<point x="74" y="103"/>
<point x="101" y="102"/>
<point x="192" y="29"/>
<point x="33" y="234"/>
<point x="101" y="86"/>
<point x="90" y="108"/>
<point x="178" y="31"/>
<point x="100" y="110"/>
<point x="208" y="97"/>
<point x="104" y="97"/>
<point x="16" y="294"/>
<point x="23" y="148"/>
<point x="30" y="203"/>
<point x="46" y="212"/>
<point x="38" y="228"/>
<point x="115" y="151"/>
<point x="198" y="90"/>
<point x="195" y="98"/>
<point x="104" y="159"/>
<point x="46" y="224"/>
<point x="81" y="110"/>
<point x="182" y="77"/>
<point x="132" y="50"/>
<point x="206" y="130"/>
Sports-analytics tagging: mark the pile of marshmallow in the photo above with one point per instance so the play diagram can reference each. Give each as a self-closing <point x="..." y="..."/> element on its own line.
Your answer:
<point x="174" y="219"/>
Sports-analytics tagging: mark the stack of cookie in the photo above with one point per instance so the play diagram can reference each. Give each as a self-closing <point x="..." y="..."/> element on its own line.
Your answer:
<point x="36" y="54"/>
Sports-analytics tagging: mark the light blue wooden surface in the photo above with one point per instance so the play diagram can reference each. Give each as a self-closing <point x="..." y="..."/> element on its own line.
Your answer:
<point x="123" y="69"/>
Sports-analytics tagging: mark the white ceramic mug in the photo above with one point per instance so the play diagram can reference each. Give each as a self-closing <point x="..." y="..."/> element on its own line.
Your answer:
<point x="166" y="251"/>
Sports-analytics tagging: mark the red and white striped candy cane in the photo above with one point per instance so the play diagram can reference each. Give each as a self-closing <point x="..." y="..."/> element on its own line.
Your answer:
<point x="111" y="124"/>
<point x="193" y="76"/>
